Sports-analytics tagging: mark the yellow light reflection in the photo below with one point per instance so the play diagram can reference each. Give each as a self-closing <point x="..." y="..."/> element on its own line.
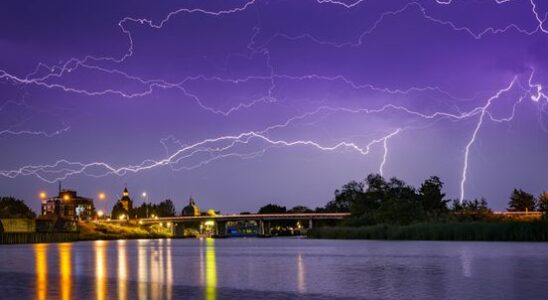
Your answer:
<point x="169" y="271"/>
<point x="65" y="267"/>
<point x="100" y="270"/>
<point x="122" y="270"/>
<point x="142" y="270"/>
<point x="155" y="279"/>
<point x="211" y="270"/>
<point x="301" y="283"/>
<point x="41" y="254"/>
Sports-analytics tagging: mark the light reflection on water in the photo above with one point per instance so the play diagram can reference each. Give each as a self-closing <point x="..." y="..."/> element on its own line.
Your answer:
<point x="211" y="270"/>
<point x="122" y="270"/>
<point x="40" y="253"/>
<point x="273" y="269"/>
<point x="101" y="285"/>
<point x="65" y="267"/>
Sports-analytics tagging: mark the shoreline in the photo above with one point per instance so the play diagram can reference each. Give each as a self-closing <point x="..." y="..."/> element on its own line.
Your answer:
<point x="502" y="231"/>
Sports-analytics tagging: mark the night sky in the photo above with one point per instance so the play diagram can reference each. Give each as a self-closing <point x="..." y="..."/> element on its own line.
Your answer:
<point x="241" y="103"/>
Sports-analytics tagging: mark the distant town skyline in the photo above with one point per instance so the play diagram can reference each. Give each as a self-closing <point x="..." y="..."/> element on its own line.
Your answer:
<point x="244" y="103"/>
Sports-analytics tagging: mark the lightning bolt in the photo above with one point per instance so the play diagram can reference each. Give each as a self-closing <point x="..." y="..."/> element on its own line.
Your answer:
<point x="226" y="146"/>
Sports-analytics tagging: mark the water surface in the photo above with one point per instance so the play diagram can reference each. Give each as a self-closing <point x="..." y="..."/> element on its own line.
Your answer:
<point x="276" y="268"/>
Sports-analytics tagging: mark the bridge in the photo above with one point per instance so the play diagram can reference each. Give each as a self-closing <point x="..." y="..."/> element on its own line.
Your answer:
<point x="218" y="222"/>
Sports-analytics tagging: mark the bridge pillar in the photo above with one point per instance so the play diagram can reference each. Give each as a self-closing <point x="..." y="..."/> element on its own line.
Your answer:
<point x="310" y="224"/>
<point x="220" y="229"/>
<point x="267" y="229"/>
<point x="178" y="230"/>
<point x="260" y="229"/>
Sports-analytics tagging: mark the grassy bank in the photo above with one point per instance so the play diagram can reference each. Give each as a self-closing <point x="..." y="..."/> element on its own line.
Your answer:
<point x="472" y="231"/>
<point x="95" y="231"/>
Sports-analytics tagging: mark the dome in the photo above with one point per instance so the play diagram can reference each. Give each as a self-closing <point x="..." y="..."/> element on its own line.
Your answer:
<point x="191" y="209"/>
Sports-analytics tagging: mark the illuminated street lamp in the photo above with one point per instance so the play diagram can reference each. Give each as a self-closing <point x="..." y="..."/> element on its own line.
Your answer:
<point x="144" y="195"/>
<point x="100" y="213"/>
<point x="102" y="197"/>
<point x="43" y="195"/>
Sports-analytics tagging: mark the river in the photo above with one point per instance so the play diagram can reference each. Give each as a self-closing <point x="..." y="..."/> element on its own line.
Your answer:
<point x="276" y="268"/>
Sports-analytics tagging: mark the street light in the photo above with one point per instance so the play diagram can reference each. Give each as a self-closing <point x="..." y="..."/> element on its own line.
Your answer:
<point x="102" y="197"/>
<point x="43" y="195"/>
<point x="144" y="195"/>
<point x="100" y="213"/>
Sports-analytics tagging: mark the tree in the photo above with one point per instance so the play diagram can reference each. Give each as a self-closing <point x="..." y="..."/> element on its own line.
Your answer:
<point x="522" y="201"/>
<point x="543" y="204"/>
<point x="300" y="209"/>
<point x="346" y="198"/>
<point x="272" y="209"/>
<point x="431" y="196"/>
<point x="14" y="208"/>
<point x="400" y="204"/>
<point x="119" y="210"/>
<point x="166" y="208"/>
<point x="471" y="209"/>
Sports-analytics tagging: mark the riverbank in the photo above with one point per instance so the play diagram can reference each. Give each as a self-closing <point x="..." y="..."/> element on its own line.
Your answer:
<point x="105" y="231"/>
<point x="87" y="232"/>
<point x="470" y="231"/>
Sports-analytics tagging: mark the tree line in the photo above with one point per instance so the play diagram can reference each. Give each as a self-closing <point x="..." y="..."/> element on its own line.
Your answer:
<point x="165" y="208"/>
<point x="377" y="200"/>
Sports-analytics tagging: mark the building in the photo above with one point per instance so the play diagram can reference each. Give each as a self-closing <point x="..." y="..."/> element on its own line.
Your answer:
<point x="68" y="205"/>
<point x="123" y="209"/>
<point x="191" y="209"/>
<point x="126" y="201"/>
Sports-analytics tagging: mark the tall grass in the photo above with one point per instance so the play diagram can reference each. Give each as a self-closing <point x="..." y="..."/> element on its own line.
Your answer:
<point x="471" y="231"/>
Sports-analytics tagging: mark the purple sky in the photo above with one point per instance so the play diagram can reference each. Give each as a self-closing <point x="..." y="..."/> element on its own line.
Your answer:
<point x="244" y="103"/>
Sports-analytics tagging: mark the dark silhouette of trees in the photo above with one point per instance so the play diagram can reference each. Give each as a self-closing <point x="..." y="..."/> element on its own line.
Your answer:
<point x="14" y="208"/>
<point x="300" y="209"/>
<point x="432" y="198"/>
<point x="400" y="204"/>
<point x="119" y="210"/>
<point x="345" y="198"/>
<point x="165" y="208"/>
<point x="543" y="204"/>
<point x="272" y="209"/>
<point x="379" y="201"/>
<point x="471" y="210"/>
<point x="376" y="200"/>
<point x="522" y="201"/>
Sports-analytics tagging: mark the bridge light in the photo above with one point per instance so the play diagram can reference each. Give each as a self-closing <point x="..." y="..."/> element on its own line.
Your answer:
<point x="209" y="223"/>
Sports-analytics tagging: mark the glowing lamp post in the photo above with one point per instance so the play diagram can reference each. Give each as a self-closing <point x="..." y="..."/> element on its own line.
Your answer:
<point x="102" y="197"/>
<point x="144" y="195"/>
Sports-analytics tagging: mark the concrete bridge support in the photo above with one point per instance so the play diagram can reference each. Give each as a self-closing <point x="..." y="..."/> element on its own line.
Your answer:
<point x="178" y="230"/>
<point x="264" y="228"/>
<point x="220" y="229"/>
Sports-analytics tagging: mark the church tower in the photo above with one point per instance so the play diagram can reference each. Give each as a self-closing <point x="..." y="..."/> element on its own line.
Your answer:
<point x="126" y="201"/>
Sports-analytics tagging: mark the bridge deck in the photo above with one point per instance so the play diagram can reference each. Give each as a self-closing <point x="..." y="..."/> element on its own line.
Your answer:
<point x="243" y="217"/>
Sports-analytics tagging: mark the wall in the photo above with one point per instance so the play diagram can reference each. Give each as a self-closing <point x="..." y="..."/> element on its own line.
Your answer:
<point x="18" y="225"/>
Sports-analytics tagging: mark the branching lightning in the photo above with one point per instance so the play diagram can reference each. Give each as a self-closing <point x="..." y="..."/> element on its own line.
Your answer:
<point x="255" y="143"/>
